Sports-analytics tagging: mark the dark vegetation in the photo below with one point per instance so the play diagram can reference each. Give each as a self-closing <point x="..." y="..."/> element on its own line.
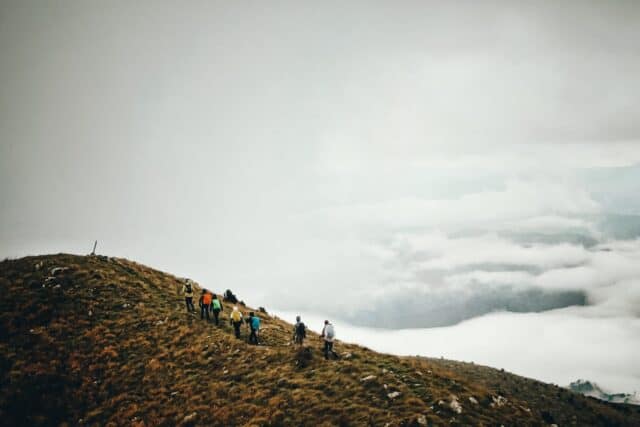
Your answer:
<point x="105" y="341"/>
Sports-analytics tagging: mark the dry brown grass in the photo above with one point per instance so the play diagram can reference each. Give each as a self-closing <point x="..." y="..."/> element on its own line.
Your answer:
<point x="113" y="345"/>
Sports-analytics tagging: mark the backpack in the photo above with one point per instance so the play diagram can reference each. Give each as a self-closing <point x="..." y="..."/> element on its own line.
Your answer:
<point x="206" y="299"/>
<point x="301" y="330"/>
<point x="216" y="304"/>
<point x="329" y="332"/>
<point x="236" y="316"/>
<point x="187" y="287"/>
<point x="255" y="323"/>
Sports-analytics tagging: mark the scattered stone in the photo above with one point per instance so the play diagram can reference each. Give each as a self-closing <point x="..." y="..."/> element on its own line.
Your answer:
<point x="57" y="270"/>
<point x="419" y="373"/>
<point x="368" y="378"/>
<point x="347" y="355"/>
<point x="38" y="265"/>
<point x="173" y="393"/>
<point x="385" y="370"/>
<point x="57" y="287"/>
<point x="393" y="394"/>
<point x="498" y="401"/>
<point x="90" y="313"/>
<point x="473" y="400"/>
<point x="422" y="420"/>
<point x="190" y="417"/>
<point x="455" y="405"/>
<point x="126" y="305"/>
<point x="226" y="371"/>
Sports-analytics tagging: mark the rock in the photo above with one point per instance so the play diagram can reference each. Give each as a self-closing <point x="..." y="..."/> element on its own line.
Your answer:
<point x="368" y="378"/>
<point x="173" y="393"/>
<point x="393" y="394"/>
<point x="190" y="417"/>
<point x="455" y="405"/>
<point x="347" y="355"/>
<point x="385" y="370"/>
<point x="57" y="287"/>
<point x="498" y="401"/>
<point x="422" y="420"/>
<point x="57" y="270"/>
<point x="473" y="400"/>
<point x="38" y="265"/>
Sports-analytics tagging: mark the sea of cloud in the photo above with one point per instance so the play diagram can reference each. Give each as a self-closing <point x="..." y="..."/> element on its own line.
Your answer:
<point x="524" y="276"/>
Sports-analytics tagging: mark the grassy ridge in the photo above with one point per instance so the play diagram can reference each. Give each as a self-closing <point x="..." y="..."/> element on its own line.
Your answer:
<point x="108" y="341"/>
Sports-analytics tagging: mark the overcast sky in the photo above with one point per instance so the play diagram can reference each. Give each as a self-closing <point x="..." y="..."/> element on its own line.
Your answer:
<point x="291" y="150"/>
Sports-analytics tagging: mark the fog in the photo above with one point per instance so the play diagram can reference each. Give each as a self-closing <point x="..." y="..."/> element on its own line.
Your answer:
<point x="457" y="174"/>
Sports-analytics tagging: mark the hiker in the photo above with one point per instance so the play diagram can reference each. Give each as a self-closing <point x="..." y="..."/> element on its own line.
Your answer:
<point x="216" y="307"/>
<point x="204" y="302"/>
<point x="329" y="334"/>
<point x="236" y="320"/>
<point x="187" y="290"/>
<point x="299" y="331"/>
<point x="254" y="325"/>
<point x="230" y="296"/>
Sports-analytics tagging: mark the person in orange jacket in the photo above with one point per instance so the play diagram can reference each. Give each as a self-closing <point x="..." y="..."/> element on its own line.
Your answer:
<point x="205" y="302"/>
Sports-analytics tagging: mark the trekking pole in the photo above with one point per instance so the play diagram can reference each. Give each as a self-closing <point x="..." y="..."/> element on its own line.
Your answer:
<point x="93" y="252"/>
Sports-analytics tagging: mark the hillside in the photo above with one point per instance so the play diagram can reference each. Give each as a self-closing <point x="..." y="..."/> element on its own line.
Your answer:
<point x="106" y="341"/>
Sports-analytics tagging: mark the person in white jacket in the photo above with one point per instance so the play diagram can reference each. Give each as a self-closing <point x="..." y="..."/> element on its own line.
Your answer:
<point x="329" y="334"/>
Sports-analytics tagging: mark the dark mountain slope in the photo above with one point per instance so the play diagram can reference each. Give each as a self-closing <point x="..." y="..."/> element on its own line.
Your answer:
<point x="106" y="341"/>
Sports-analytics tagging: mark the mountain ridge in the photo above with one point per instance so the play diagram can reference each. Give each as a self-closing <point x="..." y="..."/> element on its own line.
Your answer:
<point x="96" y="340"/>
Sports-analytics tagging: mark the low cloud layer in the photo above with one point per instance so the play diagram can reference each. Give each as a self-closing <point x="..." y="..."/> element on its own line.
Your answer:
<point x="557" y="347"/>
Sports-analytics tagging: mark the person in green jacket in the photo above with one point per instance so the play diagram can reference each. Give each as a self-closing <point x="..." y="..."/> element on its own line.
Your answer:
<point x="216" y="307"/>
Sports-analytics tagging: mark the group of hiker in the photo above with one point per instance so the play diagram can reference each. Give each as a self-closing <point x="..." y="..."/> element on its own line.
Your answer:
<point x="209" y="302"/>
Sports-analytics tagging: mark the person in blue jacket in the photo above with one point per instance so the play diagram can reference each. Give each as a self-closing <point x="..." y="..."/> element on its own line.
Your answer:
<point x="254" y="325"/>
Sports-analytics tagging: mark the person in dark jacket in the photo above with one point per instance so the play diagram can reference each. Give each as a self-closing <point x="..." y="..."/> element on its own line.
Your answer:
<point x="299" y="331"/>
